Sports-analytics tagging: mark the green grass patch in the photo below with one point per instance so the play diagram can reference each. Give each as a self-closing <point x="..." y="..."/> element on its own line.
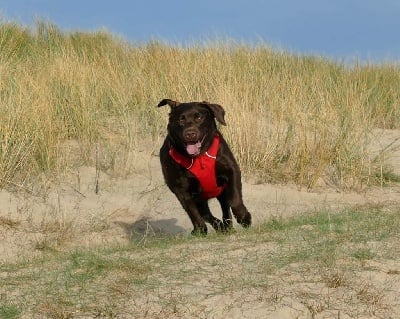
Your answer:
<point x="9" y="311"/>
<point x="161" y="270"/>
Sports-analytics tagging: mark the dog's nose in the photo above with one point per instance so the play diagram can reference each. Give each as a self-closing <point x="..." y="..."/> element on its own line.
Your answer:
<point x="190" y="135"/>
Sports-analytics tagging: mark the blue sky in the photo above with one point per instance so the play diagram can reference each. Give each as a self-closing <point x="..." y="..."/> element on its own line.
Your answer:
<point x="339" y="29"/>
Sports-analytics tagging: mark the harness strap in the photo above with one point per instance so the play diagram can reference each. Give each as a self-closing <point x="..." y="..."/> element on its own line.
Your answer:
<point x="203" y="168"/>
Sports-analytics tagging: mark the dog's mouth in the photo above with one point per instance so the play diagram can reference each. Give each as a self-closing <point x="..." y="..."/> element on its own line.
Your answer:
<point x="193" y="149"/>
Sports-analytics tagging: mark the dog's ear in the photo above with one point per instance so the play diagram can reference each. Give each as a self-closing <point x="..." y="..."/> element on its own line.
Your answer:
<point x="171" y="103"/>
<point x="218" y="111"/>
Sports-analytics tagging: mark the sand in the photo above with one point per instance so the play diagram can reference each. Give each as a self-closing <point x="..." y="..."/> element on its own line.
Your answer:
<point x="141" y="203"/>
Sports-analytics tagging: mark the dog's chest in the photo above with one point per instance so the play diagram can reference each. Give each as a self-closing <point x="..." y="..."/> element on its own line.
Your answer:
<point x="203" y="168"/>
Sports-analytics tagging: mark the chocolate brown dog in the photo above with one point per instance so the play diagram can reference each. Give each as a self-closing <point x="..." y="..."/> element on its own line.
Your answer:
<point x="197" y="165"/>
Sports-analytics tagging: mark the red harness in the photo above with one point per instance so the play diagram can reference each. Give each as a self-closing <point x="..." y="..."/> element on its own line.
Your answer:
<point x="203" y="168"/>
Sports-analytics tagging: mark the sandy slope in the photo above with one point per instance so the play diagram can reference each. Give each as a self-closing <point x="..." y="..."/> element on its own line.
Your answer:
<point x="137" y="205"/>
<point x="142" y="204"/>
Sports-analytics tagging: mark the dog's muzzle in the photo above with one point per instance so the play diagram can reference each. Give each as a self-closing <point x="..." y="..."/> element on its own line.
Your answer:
<point x="193" y="143"/>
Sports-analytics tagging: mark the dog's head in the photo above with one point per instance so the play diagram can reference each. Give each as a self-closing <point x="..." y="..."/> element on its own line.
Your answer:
<point x="191" y="126"/>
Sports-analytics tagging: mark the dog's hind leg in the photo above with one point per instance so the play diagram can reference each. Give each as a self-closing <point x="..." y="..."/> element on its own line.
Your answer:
<point x="242" y="215"/>
<point x="234" y="198"/>
<point x="226" y="211"/>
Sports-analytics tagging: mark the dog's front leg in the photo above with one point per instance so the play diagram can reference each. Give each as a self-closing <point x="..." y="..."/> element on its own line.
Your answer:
<point x="189" y="205"/>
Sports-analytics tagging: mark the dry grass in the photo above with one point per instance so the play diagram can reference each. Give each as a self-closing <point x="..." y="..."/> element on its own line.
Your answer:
<point x="291" y="118"/>
<point x="8" y="222"/>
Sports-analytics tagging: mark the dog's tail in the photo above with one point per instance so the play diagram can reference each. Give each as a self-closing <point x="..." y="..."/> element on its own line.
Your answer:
<point x="171" y="103"/>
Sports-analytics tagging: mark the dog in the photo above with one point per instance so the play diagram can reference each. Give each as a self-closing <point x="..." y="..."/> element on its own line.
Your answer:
<point x="198" y="165"/>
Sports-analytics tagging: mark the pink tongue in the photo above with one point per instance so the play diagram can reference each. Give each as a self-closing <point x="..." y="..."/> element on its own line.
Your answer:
<point x="193" y="149"/>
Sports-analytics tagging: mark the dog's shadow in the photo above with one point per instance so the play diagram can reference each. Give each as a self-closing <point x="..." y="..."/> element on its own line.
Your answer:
<point x="146" y="227"/>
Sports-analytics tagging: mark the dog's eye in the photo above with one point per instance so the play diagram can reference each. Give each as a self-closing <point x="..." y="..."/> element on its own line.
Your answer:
<point x="197" y="117"/>
<point x="182" y="120"/>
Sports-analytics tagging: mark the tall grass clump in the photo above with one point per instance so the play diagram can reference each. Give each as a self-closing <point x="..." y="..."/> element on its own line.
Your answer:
<point x="290" y="118"/>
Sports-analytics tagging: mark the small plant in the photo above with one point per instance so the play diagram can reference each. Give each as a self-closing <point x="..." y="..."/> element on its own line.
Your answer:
<point x="9" y="222"/>
<point x="335" y="279"/>
<point x="372" y="297"/>
<point x="9" y="311"/>
<point x="363" y="254"/>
